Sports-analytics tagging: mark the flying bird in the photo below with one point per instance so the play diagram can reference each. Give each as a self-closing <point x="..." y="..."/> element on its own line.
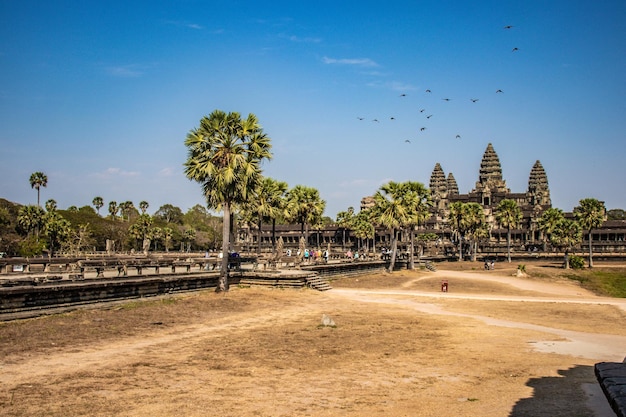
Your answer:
<point x="458" y="136"/>
<point x="407" y="141"/>
<point x="446" y="99"/>
<point x="375" y="120"/>
<point x="422" y="129"/>
<point x="428" y="91"/>
<point x="508" y="27"/>
<point x="499" y="91"/>
<point x="422" y="111"/>
<point x="392" y="118"/>
<point x="402" y="95"/>
<point x="474" y="100"/>
<point x="429" y="116"/>
<point x="515" y="49"/>
<point x="360" y="118"/>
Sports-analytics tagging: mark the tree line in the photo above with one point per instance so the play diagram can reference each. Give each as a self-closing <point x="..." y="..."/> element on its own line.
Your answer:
<point x="225" y="156"/>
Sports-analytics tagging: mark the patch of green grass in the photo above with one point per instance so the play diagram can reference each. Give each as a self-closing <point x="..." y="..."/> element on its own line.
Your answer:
<point x="602" y="282"/>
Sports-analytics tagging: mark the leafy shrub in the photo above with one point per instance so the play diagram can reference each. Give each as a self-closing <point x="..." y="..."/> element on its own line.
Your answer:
<point x="521" y="267"/>
<point x="576" y="262"/>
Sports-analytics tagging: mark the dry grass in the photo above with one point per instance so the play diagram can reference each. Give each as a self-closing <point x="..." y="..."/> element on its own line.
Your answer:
<point x="263" y="352"/>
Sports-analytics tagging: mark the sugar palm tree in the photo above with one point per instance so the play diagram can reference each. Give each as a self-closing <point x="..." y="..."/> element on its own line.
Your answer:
<point x="143" y="206"/>
<point x="113" y="209"/>
<point x="225" y="154"/>
<point x="508" y="214"/>
<point x="590" y="214"/>
<point x="363" y="227"/>
<point x="30" y="218"/>
<point x="267" y="205"/>
<point x="38" y="180"/>
<point x="344" y="220"/>
<point x="304" y="207"/>
<point x="473" y="224"/>
<point x="57" y="229"/>
<point x="97" y="202"/>
<point x="392" y="209"/>
<point x="455" y="220"/>
<point x="51" y="205"/>
<point x="419" y="205"/>
<point x="548" y="222"/>
<point x="566" y="234"/>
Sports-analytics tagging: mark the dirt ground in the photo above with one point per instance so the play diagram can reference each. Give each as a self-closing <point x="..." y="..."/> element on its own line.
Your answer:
<point x="494" y="345"/>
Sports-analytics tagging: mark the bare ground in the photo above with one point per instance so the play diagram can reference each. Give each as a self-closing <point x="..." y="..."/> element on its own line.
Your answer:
<point x="494" y="345"/>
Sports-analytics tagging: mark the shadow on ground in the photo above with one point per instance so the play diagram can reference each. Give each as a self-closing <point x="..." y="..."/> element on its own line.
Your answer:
<point x="549" y="391"/>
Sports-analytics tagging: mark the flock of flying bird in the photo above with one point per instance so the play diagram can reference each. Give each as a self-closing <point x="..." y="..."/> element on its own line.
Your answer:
<point x="473" y="100"/>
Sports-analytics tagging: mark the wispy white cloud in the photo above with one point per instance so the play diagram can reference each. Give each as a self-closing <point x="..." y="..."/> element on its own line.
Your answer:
<point x="182" y="23"/>
<point x="362" y="62"/>
<point x="111" y="173"/>
<point x="124" y="71"/>
<point x="166" y="172"/>
<point x="306" y="39"/>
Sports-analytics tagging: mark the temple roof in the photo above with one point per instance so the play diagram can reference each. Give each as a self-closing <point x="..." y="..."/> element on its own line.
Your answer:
<point x="438" y="184"/>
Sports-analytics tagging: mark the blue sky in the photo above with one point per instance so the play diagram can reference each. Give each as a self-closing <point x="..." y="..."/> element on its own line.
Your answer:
<point x="100" y="95"/>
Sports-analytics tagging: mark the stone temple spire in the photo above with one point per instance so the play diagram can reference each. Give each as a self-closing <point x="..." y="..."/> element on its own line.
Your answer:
<point x="453" y="188"/>
<point x="490" y="175"/>
<point x="438" y="184"/>
<point x="538" y="189"/>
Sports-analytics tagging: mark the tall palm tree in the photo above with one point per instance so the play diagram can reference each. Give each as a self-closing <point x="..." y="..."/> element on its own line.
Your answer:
<point x="473" y="225"/>
<point x="508" y="214"/>
<point x="392" y="212"/>
<point x="548" y="223"/>
<point x="51" y="205"/>
<point x="30" y="218"/>
<point x="143" y="206"/>
<point x="344" y="220"/>
<point x="97" y="202"/>
<point x="304" y="207"/>
<point x="566" y="234"/>
<point x="363" y="227"/>
<point x="419" y="201"/>
<point x="113" y="209"/>
<point x="267" y="205"/>
<point x="57" y="229"/>
<point x="590" y="214"/>
<point x="38" y="180"/>
<point x="225" y="154"/>
<point x="455" y="220"/>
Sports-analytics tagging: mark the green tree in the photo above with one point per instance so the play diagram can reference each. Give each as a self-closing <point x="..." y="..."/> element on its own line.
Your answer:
<point x="590" y="215"/>
<point x="566" y="234"/>
<point x="167" y="237"/>
<point x="143" y="206"/>
<point x="51" y="205"/>
<point x="548" y="222"/>
<point x="304" y="207"/>
<point x="455" y="220"/>
<point x="38" y="180"/>
<point x="344" y="220"/>
<point x="392" y="209"/>
<point x="97" y="202"/>
<point x="508" y="215"/>
<point x="419" y="202"/>
<point x="225" y="154"/>
<point x="267" y="205"/>
<point x="57" y="230"/>
<point x="616" y="214"/>
<point x="30" y="219"/>
<point x="363" y="228"/>
<point x="113" y="209"/>
<point x="473" y="225"/>
<point x="169" y="214"/>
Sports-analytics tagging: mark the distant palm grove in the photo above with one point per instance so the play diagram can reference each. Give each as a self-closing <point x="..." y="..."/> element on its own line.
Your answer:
<point x="225" y="156"/>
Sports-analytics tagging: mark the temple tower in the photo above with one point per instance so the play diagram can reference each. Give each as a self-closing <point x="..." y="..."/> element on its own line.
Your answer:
<point x="538" y="190"/>
<point x="453" y="188"/>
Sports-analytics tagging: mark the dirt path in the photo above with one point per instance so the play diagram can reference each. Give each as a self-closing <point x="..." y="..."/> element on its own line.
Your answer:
<point x="493" y="346"/>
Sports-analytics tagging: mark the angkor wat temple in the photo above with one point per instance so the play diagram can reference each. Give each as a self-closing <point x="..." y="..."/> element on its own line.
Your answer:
<point x="489" y="191"/>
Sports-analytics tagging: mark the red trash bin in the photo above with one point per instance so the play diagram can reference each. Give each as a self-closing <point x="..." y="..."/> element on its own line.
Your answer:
<point x="444" y="286"/>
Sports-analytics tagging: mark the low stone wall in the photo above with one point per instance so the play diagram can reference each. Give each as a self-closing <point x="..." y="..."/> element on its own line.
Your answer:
<point x="33" y="300"/>
<point x="612" y="379"/>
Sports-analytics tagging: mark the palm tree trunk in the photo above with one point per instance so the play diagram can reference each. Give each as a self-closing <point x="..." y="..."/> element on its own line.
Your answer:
<point x="258" y="250"/>
<point x="412" y="251"/>
<point x="508" y="245"/>
<point x="590" y="251"/>
<point x="394" y="250"/>
<point x="223" y="281"/>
